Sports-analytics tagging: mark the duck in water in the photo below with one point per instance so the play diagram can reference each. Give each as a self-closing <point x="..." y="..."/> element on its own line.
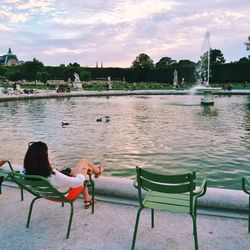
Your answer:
<point x="65" y="124"/>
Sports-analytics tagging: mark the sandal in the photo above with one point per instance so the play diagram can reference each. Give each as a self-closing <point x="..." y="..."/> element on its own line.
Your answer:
<point x="87" y="204"/>
<point x="100" y="170"/>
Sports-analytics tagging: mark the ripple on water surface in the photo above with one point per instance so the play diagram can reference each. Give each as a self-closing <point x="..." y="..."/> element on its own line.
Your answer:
<point x="165" y="133"/>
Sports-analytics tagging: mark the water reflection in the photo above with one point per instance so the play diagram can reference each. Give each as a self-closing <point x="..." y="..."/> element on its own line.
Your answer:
<point x="247" y="114"/>
<point x="156" y="132"/>
<point x="209" y="111"/>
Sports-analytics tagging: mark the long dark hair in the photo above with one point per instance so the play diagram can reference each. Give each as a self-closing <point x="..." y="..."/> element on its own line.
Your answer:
<point x="36" y="160"/>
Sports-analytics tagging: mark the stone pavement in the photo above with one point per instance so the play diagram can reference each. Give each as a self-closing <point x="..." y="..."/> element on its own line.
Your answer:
<point x="111" y="227"/>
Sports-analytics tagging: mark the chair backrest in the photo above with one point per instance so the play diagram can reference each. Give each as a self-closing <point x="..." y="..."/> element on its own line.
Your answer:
<point x="38" y="186"/>
<point x="159" y="182"/>
<point x="2" y="162"/>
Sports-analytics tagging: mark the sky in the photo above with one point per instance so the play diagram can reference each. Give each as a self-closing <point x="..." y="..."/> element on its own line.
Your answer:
<point x="115" y="32"/>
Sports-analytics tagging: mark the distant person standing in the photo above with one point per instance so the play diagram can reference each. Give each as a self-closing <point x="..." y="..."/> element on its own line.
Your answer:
<point x="18" y="89"/>
<point x="14" y="86"/>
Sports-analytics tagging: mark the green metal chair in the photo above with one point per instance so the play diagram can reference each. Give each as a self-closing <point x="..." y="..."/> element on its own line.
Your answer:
<point x="4" y="174"/>
<point x="40" y="187"/>
<point x="172" y="193"/>
<point x="245" y="184"/>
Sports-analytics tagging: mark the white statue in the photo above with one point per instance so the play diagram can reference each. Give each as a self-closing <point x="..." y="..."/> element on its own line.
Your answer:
<point x="77" y="82"/>
<point x="175" y="80"/>
<point x="77" y="78"/>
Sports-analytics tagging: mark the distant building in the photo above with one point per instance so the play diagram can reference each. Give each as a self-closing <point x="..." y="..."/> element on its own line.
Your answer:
<point x="9" y="59"/>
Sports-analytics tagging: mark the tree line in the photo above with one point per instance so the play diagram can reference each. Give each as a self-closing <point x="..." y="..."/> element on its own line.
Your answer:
<point x="142" y="69"/>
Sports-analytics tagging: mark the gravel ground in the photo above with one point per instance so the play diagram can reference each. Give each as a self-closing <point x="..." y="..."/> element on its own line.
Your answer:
<point x="111" y="227"/>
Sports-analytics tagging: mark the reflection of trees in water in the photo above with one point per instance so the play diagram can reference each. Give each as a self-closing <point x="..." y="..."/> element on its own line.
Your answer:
<point x="209" y="111"/>
<point x="35" y="108"/>
<point x="11" y="107"/>
<point x="50" y="112"/>
<point x="246" y="119"/>
<point x="247" y="114"/>
<point x="246" y="124"/>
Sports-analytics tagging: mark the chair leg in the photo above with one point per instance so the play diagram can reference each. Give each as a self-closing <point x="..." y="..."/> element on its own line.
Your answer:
<point x="70" y="219"/>
<point x="21" y="194"/>
<point x="1" y="181"/>
<point x="30" y="211"/>
<point x="195" y="232"/>
<point x="249" y="216"/>
<point x="152" y="218"/>
<point x="136" y="227"/>
<point x="93" y="197"/>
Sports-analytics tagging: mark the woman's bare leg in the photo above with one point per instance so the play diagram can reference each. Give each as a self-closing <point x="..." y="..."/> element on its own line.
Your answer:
<point x="85" y="163"/>
<point x="86" y="195"/>
<point x="81" y="168"/>
<point x="97" y="171"/>
<point x="84" y="166"/>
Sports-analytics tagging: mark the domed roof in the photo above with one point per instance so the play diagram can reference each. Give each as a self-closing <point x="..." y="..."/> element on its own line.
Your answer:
<point x="9" y="56"/>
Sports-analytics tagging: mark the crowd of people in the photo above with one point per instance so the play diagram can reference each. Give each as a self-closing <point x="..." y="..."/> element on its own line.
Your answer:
<point x="63" y="88"/>
<point x="16" y="89"/>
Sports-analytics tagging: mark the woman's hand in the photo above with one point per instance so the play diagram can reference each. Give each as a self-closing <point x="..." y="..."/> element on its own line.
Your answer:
<point x="89" y="172"/>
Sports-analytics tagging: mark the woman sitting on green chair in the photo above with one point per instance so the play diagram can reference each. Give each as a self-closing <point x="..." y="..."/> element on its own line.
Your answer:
<point x="36" y="162"/>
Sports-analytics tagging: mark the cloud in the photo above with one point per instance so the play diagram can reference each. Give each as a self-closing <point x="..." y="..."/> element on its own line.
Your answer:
<point x="118" y="12"/>
<point x="19" y="18"/>
<point x="55" y="51"/>
<point x="4" y="28"/>
<point x="34" y="5"/>
<point x="116" y="31"/>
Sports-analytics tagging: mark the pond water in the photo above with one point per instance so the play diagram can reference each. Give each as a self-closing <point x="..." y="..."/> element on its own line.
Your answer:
<point x="165" y="133"/>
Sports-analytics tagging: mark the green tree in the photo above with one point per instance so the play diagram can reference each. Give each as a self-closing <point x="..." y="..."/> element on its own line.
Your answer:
<point x="165" y="62"/>
<point x="76" y="64"/>
<point x="3" y="70"/>
<point x="186" y="63"/>
<point x="14" y="74"/>
<point x="42" y="76"/>
<point x="248" y="45"/>
<point x="216" y="56"/>
<point x="31" y="68"/>
<point x="84" y="75"/>
<point x="143" y="61"/>
<point x="244" y="60"/>
<point x="69" y="73"/>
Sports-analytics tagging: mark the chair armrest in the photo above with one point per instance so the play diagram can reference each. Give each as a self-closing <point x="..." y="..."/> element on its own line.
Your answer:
<point x="202" y="190"/>
<point x="2" y="162"/>
<point x="89" y="182"/>
<point x="245" y="183"/>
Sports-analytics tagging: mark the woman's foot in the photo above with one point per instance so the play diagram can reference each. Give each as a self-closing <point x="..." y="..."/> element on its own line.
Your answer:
<point x="100" y="171"/>
<point x="87" y="204"/>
